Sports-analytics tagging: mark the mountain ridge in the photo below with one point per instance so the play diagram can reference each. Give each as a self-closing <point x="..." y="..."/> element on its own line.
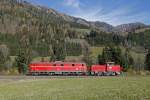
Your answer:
<point x="26" y="8"/>
<point x="103" y="25"/>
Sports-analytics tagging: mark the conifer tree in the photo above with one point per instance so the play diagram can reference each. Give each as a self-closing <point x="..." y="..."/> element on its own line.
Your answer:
<point x="147" y="61"/>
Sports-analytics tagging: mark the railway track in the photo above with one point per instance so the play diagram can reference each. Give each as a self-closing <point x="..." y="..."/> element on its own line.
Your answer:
<point x="42" y="77"/>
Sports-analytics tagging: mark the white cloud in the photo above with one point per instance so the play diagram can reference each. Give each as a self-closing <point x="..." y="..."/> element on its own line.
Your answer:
<point x="115" y="14"/>
<point x="72" y="3"/>
<point x="119" y="15"/>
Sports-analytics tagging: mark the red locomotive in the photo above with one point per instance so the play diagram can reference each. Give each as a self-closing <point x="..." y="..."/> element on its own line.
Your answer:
<point x="107" y="69"/>
<point x="71" y="68"/>
<point x="57" y="68"/>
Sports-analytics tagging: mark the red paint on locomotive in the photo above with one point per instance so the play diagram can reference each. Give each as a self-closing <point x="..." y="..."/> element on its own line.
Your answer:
<point x="57" y="68"/>
<point x="98" y="68"/>
<point x="108" y="69"/>
<point x="69" y="68"/>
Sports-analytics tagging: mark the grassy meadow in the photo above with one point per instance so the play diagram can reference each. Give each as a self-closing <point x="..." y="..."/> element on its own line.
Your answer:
<point x="90" y="88"/>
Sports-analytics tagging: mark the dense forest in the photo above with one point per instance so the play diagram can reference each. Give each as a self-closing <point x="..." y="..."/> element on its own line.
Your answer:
<point x="28" y="32"/>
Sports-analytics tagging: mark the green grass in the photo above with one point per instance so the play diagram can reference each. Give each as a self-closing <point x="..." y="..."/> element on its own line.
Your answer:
<point x="38" y="59"/>
<point x="74" y="58"/>
<point x="103" y="88"/>
<point x="82" y="30"/>
<point x="96" y="51"/>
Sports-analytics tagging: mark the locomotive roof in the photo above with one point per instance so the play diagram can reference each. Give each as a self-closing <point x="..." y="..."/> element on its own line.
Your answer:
<point x="57" y="62"/>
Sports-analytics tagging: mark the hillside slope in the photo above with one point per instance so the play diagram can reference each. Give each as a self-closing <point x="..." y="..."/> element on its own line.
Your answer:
<point x="14" y="14"/>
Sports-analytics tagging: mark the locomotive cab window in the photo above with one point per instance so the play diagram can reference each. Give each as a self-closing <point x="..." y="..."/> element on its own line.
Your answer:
<point x="82" y="64"/>
<point x="62" y="64"/>
<point x="73" y="64"/>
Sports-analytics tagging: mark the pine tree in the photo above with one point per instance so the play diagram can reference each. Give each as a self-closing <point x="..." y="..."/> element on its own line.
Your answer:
<point x="21" y="63"/>
<point x="101" y="59"/>
<point x="147" y="61"/>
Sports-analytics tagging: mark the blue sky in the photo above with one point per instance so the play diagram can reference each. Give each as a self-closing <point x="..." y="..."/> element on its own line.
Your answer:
<point x="114" y="12"/>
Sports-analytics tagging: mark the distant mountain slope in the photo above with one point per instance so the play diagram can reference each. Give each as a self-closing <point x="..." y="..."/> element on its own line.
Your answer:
<point x="102" y="26"/>
<point x="14" y="14"/>
<point x="130" y="27"/>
